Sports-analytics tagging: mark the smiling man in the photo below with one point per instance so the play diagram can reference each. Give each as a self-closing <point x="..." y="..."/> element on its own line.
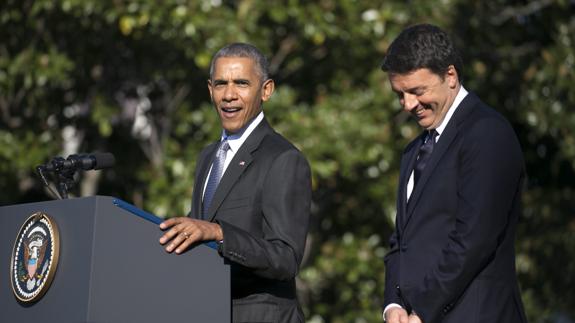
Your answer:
<point x="252" y="193"/>
<point x="451" y="257"/>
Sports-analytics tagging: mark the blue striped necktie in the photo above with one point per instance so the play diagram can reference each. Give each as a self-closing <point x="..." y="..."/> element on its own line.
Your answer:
<point x="215" y="176"/>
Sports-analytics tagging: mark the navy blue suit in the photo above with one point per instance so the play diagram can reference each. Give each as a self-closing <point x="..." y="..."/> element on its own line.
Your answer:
<point x="452" y="252"/>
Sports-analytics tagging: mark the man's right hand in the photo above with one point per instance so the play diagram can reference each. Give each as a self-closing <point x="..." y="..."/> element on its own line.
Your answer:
<point x="396" y="315"/>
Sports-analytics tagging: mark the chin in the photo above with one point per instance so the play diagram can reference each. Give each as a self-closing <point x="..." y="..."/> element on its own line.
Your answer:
<point x="423" y="124"/>
<point x="231" y="129"/>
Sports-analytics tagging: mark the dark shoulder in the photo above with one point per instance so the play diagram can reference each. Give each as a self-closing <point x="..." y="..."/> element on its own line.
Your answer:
<point x="274" y="148"/>
<point x="274" y="143"/>
<point x="486" y="129"/>
<point x="483" y="120"/>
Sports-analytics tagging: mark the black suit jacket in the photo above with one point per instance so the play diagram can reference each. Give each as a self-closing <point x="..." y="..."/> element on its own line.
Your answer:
<point x="452" y="253"/>
<point x="262" y="204"/>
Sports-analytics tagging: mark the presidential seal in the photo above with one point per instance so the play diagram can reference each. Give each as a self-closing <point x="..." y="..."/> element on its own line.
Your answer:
<point x="34" y="257"/>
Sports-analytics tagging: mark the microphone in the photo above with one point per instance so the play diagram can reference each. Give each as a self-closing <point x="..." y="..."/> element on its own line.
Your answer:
<point x="81" y="162"/>
<point x="64" y="169"/>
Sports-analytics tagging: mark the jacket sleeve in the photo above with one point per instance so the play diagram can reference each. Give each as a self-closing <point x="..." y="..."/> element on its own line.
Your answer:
<point x="391" y="271"/>
<point x="490" y="173"/>
<point x="286" y="200"/>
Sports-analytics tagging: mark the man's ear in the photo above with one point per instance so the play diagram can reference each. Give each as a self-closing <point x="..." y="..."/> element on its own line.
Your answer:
<point x="210" y="88"/>
<point x="267" y="89"/>
<point x="452" y="77"/>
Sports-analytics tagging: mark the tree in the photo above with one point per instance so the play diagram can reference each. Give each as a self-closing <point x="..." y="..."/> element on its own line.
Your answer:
<point x="129" y="77"/>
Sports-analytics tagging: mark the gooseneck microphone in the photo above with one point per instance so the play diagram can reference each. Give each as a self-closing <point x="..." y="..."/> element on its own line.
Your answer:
<point x="64" y="169"/>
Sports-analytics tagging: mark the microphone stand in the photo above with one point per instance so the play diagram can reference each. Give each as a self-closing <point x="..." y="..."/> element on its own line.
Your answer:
<point x="65" y="181"/>
<point x="64" y="177"/>
<point x="40" y="169"/>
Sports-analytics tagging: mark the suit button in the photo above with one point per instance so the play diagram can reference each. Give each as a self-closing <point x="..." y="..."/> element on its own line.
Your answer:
<point x="403" y="248"/>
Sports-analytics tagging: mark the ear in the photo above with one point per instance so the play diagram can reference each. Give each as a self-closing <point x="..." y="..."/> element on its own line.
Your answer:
<point x="267" y="89"/>
<point x="452" y="77"/>
<point x="210" y="89"/>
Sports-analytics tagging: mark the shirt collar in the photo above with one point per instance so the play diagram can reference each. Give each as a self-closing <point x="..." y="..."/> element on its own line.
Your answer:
<point x="236" y="140"/>
<point x="458" y="98"/>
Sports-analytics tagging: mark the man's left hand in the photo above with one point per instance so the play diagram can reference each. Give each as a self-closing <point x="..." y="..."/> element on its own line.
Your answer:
<point x="184" y="231"/>
<point x="414" y="319"/>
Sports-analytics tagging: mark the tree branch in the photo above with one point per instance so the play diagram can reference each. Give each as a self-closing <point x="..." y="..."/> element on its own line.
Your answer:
<point x="510" y="12"/>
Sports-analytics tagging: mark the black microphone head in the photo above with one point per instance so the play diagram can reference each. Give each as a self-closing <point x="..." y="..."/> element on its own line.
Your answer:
<point x="103" y="160"/>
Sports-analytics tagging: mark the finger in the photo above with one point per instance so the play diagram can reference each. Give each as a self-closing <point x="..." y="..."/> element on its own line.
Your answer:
<point x="403" y="317"/>
<point x="169" y="223"/>
<point x="180" y="225"/>
<point x="167" y="236"/>
<point x="177" y="241"/>
<point x="393" y="317"/>
<point x="189" y="239"/>
<point x="173" y="232"/>
<point x="414" y="318"/>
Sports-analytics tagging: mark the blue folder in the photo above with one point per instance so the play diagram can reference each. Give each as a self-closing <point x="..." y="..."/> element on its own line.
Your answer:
<point x="150" y="217"/>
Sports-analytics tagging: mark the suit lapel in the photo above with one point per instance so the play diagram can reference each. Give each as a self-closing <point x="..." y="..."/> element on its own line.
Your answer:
<point x="450" y="132"/>
<point x="238" y="165"/>
<point x="439" y="150"/>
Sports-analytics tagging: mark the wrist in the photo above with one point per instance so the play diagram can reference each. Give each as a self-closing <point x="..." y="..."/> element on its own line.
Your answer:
<point x="219" y="234"/>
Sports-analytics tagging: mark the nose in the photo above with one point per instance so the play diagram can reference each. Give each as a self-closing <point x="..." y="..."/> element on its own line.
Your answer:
<point x="230" y="93"/>
<point x="409" y="102"/>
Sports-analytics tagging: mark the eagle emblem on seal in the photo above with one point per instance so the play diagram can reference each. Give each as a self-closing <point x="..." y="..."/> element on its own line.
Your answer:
<point x="34" y="250"/>
<point x="34" y="257"/>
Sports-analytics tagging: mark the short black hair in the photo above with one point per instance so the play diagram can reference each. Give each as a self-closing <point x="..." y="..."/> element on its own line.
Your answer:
<point x="243" y="50"/>
<point x="422" y="46"/>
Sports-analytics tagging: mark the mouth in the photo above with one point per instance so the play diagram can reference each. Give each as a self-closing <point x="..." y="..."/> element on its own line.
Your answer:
<point x="230" y="111"/>
<point x="419" y="111"/>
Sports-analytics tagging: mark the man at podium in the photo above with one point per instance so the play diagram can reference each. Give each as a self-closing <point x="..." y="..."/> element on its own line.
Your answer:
<point x="252" y="193"/>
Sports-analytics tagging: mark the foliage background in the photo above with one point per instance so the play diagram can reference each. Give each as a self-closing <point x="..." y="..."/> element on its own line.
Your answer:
<point x="129" y="77"/>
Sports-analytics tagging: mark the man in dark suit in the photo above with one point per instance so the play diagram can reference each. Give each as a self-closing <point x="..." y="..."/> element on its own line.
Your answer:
<point x="259" y="211"/>
<point x="451" y="256"/>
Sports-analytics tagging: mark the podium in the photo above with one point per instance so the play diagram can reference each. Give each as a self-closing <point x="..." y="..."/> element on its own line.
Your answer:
<point x="111" y="268"/>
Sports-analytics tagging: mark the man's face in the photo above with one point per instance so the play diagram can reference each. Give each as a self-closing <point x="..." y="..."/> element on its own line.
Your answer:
<point x="425" y="94"/>
<point x="237" y="91"/>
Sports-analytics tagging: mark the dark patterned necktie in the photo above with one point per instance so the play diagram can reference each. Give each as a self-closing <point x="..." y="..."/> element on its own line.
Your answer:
<point x="215" y="176"/>
<point x="424" y="154"/>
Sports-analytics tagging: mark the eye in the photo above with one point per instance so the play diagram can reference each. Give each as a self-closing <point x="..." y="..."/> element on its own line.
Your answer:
<point x="418" y="91"/>
<point x="219" y="84"/>
<point x="242" y="83"/>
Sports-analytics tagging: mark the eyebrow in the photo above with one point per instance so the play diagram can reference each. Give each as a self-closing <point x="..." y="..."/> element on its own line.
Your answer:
<point x="415" y="89"/>
<point x="410" y="90"/>
<point x="235" y="81"/>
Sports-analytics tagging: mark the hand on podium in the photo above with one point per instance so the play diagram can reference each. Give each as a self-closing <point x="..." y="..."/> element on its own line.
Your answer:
<point x="184" y="232"/>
